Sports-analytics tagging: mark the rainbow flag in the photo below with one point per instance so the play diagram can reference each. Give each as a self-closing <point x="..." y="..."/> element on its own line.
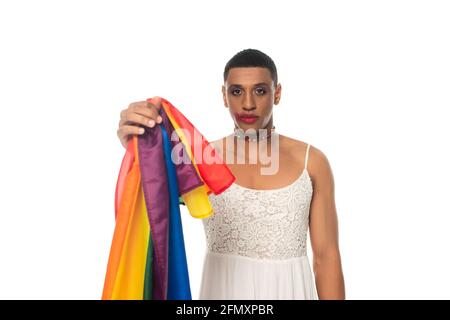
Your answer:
<point x="170" y="164"/>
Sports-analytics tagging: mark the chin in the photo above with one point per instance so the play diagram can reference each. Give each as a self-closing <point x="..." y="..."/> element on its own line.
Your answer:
<point x="248" y="127"/>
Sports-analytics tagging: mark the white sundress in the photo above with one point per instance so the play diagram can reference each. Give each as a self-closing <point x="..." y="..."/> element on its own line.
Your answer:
<point x="256" y="243"/>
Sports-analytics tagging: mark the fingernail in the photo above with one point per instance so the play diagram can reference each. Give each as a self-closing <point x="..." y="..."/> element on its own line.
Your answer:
<point x="159" y="119"/>
<point x="151" y="123"/>
<point x="141" y="130"/>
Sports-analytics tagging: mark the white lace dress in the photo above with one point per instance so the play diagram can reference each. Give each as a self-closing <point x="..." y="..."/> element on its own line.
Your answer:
<point x="256" y="243"/>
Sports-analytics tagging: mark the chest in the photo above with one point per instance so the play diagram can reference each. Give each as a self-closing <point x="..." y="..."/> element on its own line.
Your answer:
<point x="282" y="169"/>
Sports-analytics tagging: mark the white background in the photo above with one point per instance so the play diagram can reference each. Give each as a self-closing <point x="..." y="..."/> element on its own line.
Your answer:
<point x="367" y="82"/>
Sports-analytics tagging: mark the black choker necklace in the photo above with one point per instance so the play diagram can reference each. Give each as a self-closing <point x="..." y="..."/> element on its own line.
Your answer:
<point x="254" y="135"/>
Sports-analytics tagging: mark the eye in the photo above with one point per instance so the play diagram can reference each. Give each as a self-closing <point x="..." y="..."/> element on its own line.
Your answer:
<point x="260" y="91"/>
<point x="234" y="91"/>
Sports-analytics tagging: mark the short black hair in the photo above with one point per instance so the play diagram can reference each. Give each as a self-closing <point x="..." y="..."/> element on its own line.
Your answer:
<point x="251" y="58"/>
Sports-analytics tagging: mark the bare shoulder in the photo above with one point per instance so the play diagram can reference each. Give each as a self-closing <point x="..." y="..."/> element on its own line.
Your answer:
<point x="320" y="169"/>
<point x="296" y="148"/>
<point x="318" y="165"/>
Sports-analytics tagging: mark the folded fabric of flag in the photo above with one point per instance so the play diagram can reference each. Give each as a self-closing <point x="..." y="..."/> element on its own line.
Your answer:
<point x="170" y="164"/>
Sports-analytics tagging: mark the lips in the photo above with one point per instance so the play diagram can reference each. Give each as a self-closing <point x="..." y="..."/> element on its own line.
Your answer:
<point x="247" y="118"/>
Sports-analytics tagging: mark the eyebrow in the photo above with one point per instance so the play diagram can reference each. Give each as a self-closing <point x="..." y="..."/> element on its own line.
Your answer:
<point x="256" y="85"/>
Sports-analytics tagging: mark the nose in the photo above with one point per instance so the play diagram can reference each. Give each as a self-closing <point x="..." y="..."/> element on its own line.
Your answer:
<point x="249" y="104"/>
<point x="249" y="108"/>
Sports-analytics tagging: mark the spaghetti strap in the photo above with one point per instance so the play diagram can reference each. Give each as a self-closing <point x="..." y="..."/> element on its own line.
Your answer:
<point x="306" y="156"/>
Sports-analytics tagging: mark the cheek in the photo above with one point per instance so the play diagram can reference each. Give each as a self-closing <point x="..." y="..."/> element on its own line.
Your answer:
<point x="233" y="106"/>
<point x="267" y="113"/>
<point x="232" y="111"/>
<point x="231" y="101"/>
<point x="265" y="102"/>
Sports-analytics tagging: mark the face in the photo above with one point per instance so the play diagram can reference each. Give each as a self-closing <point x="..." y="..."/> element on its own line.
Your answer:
<point x="249" y="94"/>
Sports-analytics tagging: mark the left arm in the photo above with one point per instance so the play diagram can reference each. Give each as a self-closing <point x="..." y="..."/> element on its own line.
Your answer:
<point x="324" y="230"/>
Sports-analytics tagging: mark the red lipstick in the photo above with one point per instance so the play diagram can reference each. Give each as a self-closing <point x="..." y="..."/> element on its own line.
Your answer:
<point x="247" y="118"/>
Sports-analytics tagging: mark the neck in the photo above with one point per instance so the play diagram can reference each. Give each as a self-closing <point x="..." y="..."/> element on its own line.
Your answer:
<point x="253" y="136"/>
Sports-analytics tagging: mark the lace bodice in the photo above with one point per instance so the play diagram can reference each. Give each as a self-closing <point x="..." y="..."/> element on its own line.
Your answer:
<point x="263" y="224"/>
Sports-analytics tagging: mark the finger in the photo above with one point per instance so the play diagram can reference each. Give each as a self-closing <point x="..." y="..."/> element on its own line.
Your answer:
<point x="148" y="110"/>
<point x="137" y="115"/>
<point x="139" y="107"/>
<point x="126" y="130"/>
<point x="156" y="101"/>
<point x="137" y="119"/>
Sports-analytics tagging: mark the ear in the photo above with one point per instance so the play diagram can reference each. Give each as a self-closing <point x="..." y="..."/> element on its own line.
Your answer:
<point x="224" y="96"/>
<point x="277" y="95"/>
